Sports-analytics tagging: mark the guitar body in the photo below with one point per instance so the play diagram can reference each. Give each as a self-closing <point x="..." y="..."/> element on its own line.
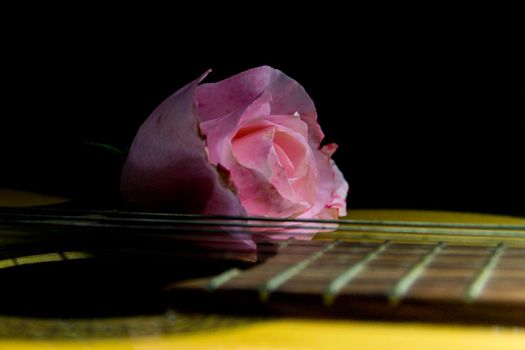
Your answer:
<point x="176" y="329"/>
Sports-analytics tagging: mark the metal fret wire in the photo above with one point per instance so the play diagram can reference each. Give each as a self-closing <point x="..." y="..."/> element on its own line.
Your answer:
<point x="227" y="275"/>
<point x="346" y="277"/>
<point x="222" y="278"/>
<point x="273" y="283"/>
<point x="403" y="285"/>
<point x="478" y="284"/>
<point x="397" y="293"/>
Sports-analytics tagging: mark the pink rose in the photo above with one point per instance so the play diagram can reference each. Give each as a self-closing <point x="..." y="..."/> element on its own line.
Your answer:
<point x="249" y="144"/>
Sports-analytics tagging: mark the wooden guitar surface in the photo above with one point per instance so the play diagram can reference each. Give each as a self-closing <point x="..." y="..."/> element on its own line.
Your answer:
<point x="219" y="330"/>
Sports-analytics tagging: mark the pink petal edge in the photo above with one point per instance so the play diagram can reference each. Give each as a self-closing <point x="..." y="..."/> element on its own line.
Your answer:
<point x="167" y="167"/>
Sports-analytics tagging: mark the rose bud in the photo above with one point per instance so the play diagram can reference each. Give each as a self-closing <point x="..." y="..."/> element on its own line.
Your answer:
<point x="247" y="145"/>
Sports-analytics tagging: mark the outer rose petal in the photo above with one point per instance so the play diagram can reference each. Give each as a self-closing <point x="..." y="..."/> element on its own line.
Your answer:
<point x="217" y="100"/>
<point x="226" y="97"/>
<point x="328" y="182"/>
<point x="339" y="195"/>
<point x="167" y="166"/>
<point x="219" y="131"/>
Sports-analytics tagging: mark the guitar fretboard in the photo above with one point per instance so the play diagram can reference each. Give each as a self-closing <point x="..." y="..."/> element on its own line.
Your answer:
<point x="357" y="268"/>
<point x="373" y="280"/>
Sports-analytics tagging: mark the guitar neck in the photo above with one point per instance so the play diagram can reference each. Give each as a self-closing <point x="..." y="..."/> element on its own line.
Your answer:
<point x="383" y="280"/>
<point x="363" y="269"/>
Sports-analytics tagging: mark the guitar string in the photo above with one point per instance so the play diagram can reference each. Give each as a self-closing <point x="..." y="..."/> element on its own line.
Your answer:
<point x="212" y="232"/>
<point x="176" y="217"/>
<point x="292" y="230"/>
<point x="220" y="237"/>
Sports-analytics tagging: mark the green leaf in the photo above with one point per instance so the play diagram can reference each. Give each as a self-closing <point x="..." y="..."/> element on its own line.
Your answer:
<point x="112" y="149"/>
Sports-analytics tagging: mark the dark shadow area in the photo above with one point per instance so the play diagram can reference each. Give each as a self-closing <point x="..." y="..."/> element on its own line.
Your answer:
<point x="104" y="287"/>
<point x="424" y="119"/>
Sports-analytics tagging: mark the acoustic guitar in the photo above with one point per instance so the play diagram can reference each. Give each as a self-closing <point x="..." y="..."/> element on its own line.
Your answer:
<point x="77" y="278"/>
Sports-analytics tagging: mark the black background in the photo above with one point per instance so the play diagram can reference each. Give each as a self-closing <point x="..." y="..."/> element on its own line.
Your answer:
<point x="428" y="115"/>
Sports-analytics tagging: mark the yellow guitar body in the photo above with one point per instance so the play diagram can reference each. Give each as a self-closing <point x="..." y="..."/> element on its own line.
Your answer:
<point x="294" y="333"/>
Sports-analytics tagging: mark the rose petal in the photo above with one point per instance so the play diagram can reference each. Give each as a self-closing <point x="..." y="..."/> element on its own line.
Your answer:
<point x="339" y="195"/>
<point x="260" y="197"/>
<point x="293" y="152"/>
<point x="328" y="183"/>
<point x="294" y="123"/>
<point x="221" y="130"/>
<point x="248" y="91"/>
<point x="291" y="146"/>
<point x="285" y="161"/>
<point x="252" y="149"/>
<point x="224" y="98"/>
<point x="167" y="167"/>
<point x="217" y="100"/>
<point x="265" y="154"/>
<point x="255" y="149"/>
